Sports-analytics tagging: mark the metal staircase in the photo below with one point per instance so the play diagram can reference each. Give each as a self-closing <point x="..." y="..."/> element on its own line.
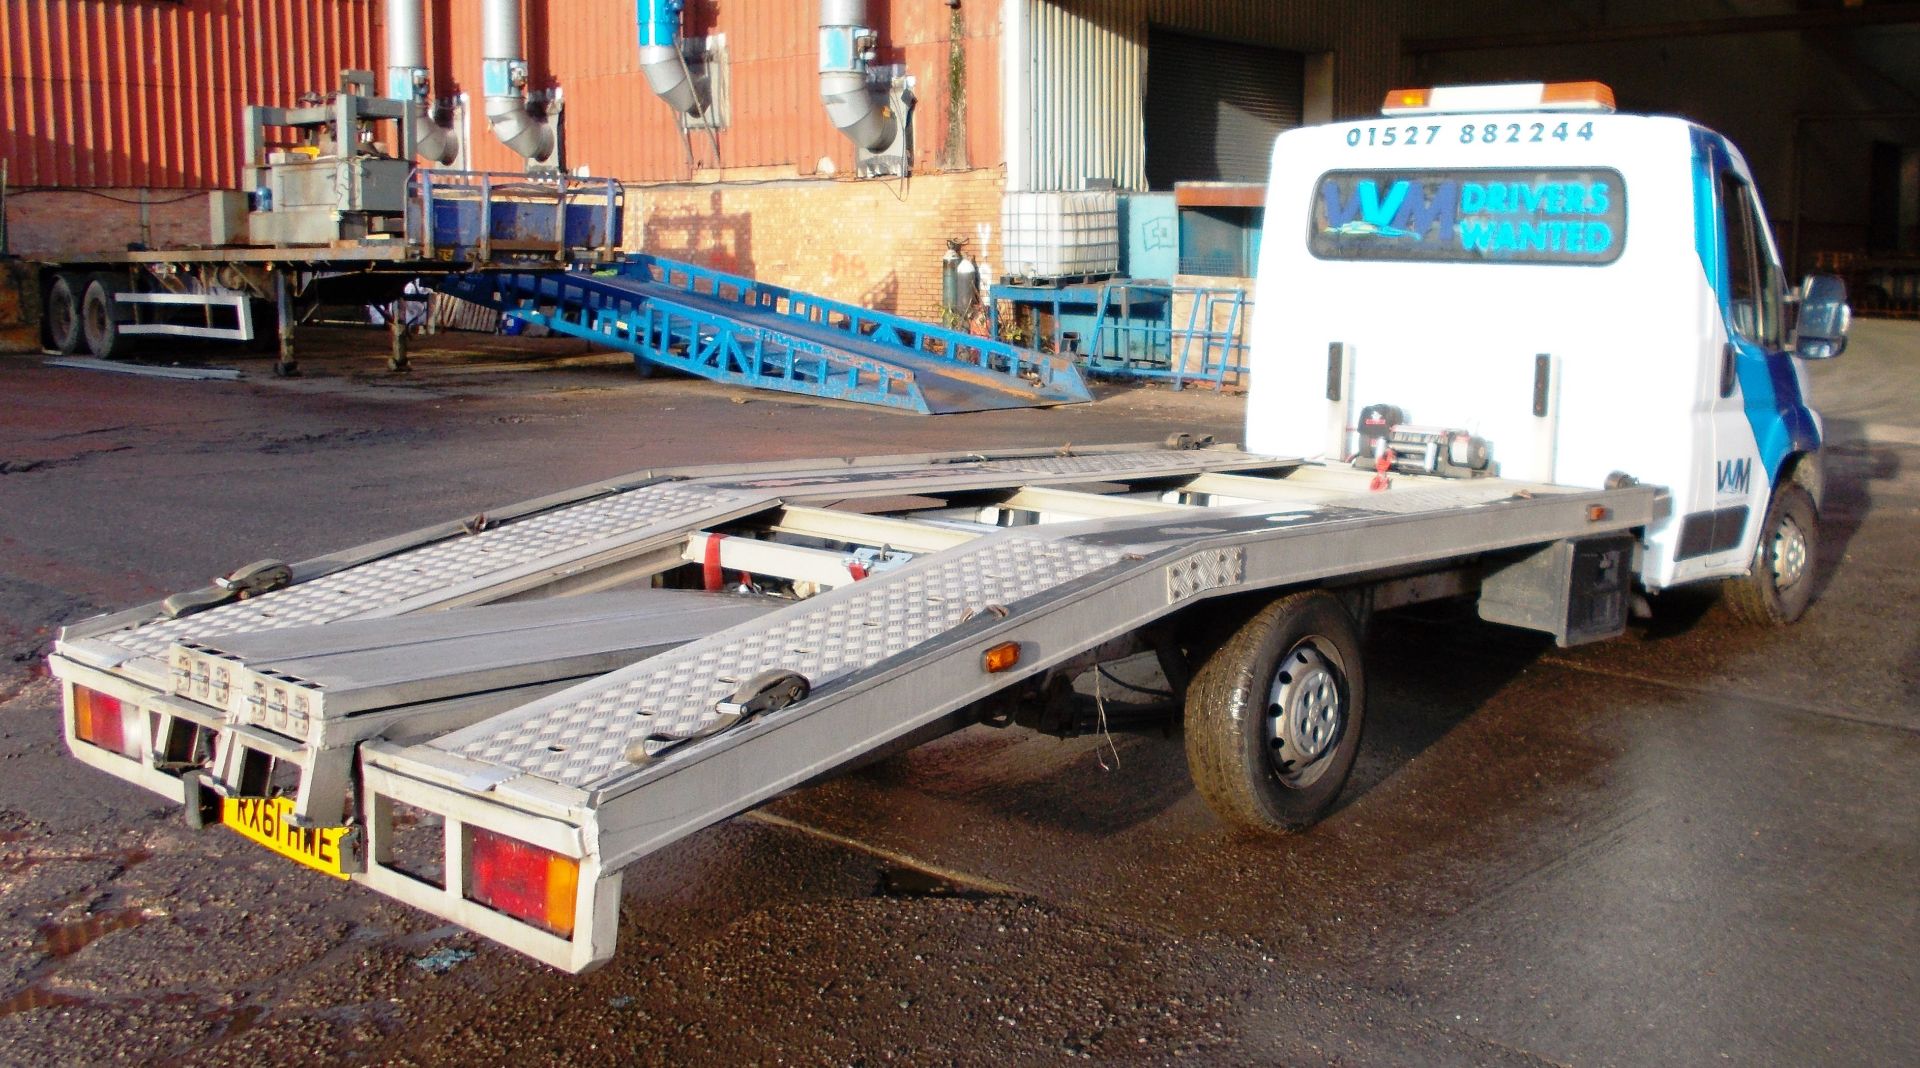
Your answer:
<point x="749" y="333"/>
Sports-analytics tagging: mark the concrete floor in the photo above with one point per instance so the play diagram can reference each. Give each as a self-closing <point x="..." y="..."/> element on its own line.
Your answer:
<point x="1698" y="842"/>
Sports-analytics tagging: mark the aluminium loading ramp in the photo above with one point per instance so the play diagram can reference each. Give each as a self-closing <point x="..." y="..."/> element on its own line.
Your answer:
<point x="748" y="333"/>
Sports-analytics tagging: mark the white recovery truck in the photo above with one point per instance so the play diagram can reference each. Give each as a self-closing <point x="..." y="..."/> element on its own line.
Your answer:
<point x="1517" y="349"/>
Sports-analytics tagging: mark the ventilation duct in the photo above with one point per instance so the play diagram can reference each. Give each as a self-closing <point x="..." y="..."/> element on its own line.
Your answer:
<point x="407" y="80"/>
<point x="864" y="102"/>
<point x="503" y="77"/>
<point x="660" y="57"/>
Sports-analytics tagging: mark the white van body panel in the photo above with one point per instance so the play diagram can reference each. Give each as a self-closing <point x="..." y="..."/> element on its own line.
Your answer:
<point x="1634" y="343"/>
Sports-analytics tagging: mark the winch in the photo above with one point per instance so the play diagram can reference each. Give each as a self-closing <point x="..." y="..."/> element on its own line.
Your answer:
<point x="1425" y="450"/>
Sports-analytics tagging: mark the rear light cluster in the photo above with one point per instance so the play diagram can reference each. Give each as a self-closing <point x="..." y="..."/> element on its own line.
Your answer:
<point x="537" y="886"/>
<point x="108" y="722"/>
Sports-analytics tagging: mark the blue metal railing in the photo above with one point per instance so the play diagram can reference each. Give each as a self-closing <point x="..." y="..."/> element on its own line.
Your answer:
<point x="1202" y="349"/>
<point x="1127" y="329"/>
<point x="749" y="333"/>
<point x="690" y="340"/>
<point x="954" y="349"/>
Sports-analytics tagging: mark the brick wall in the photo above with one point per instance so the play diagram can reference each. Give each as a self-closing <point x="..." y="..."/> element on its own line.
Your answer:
<point x="871" y="242"/>
<point x="50" y="223"/>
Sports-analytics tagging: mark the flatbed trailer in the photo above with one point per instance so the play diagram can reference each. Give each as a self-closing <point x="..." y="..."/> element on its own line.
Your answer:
<point x="553" y="690"/>
<point x="452" y="223"/>
<point x="330" y="208"/>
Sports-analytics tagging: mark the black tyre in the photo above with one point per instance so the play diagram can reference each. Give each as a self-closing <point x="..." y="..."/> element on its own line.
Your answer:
<point x="1274" y="716"/>
<point x="63" y="314"/>
<point x="99" y="319"/>
<point x="1780" y="587"/>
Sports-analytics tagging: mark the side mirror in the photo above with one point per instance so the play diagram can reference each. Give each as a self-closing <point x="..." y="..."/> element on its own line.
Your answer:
<point x="1821" y="332"/>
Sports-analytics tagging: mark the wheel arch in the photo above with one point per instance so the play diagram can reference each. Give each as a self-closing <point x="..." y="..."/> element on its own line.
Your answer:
<point x="1804" y="469"/>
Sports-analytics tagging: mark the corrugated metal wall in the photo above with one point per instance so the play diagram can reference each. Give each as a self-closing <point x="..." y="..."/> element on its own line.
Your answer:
<point x="119" y="93"/>
<point x="1088" y="62"/>
<point x="614" y="125"/>
<point x="96" y="93"/>
<point x="125" y="93"/>
<point x="1213" y="107"/>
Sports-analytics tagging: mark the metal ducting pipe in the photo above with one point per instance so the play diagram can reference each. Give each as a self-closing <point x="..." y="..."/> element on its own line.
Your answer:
<point x="407" y="79"/>
<point x="846" y="47"/>
<point x="503" y="77"/>
<point x="660" y="59"/>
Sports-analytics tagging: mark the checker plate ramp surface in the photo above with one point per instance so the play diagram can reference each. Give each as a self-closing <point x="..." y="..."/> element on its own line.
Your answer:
<point x="366" y="590"/>
<point x="369" y="587"/>
<point x="580" y="736"/>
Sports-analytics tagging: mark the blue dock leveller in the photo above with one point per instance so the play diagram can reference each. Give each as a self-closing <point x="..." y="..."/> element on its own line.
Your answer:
<point x="749" y="333"/>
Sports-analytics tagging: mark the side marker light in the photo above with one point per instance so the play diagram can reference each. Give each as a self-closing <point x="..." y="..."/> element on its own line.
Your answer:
<point x="1002" y="657"/>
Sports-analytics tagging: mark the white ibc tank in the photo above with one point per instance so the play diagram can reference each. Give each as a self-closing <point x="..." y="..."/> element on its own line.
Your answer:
<point x="1060" y="235"/>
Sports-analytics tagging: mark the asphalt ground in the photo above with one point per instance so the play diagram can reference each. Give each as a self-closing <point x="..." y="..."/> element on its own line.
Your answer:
<point x="1697" y="843"/>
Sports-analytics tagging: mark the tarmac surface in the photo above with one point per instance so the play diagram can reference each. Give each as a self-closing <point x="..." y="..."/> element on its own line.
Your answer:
<point x="1697" y="843"/>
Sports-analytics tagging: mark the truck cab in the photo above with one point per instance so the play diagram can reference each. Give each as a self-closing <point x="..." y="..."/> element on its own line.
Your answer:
<point x="1550" y="290"/>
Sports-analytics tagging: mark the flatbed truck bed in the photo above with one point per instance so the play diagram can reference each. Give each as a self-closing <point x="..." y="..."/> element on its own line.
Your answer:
<point x="489" y="719"/>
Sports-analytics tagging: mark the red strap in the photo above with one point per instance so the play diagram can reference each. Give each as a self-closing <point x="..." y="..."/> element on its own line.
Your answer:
<point x="1381" y="467"/>
<point x="714" y="577"/>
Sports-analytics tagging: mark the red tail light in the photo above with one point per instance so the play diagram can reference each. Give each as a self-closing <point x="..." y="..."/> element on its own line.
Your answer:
<point x="102" y="721"/>
<point x="524" y="881"/>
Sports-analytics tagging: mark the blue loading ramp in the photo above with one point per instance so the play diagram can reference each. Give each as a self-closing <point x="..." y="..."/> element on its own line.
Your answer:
<point x="749" y="333"/>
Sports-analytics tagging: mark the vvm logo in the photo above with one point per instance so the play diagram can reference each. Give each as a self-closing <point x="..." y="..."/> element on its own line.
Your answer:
<point x="1396" y="214"/>
<point x="1733" y="476"/>
<point x="1470" y="215"/>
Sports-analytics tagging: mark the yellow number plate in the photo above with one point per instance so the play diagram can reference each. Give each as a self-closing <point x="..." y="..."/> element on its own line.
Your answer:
<point x="266" y="821"/>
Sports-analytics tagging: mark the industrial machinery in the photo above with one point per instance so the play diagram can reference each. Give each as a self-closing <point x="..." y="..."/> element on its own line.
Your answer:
<point x="333" y="210"/>
<point x="335" y="180"/>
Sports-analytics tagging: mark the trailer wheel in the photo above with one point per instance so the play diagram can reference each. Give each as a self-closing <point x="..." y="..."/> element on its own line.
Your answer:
<point x="1274" y="715"/>
<point x="63" y="314"/>
<point x="98" y="319"/>
<point x="1780" y="587"/>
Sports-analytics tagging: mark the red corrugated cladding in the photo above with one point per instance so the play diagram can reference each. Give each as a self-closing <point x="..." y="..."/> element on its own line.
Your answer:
<point x="119" y="93"/>
<point x="113" y="93"/>
<point x="616" y="126"/>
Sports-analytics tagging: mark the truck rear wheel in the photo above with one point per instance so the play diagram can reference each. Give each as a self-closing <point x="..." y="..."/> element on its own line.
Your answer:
<point x="1273" y="717"/>
<point x="1780" y="587"/>
<point x="99" y="318"/>
<point x="63" y="313"/>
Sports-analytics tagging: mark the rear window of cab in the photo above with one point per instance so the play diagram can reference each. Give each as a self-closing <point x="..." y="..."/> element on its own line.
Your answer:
<point x="1570" y="216"/>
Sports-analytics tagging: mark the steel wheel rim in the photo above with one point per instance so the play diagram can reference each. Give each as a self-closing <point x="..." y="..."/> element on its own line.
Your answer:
<point x="1789" y="554"/>
<point x="1306" y="711"/>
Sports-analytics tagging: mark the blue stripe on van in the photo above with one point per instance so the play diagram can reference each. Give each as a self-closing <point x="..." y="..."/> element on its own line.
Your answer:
<point x="1782" y="424"/>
